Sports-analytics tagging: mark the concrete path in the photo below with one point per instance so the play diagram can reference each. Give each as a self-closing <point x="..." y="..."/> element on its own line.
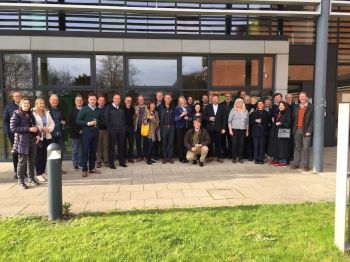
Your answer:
<point x="178" y="185"/>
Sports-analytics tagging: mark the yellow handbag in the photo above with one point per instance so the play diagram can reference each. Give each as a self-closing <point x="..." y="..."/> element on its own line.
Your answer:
<point x="144" y="129"/>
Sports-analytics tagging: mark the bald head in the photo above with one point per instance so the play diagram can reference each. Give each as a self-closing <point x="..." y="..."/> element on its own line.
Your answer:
<point x="17" y="97"/>
<point x="53" y="100"/>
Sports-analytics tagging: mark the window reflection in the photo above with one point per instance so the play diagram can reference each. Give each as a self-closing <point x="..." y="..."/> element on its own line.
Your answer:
<point x="64" y="72"/>
<point x="194" y="72"/>
<point x="152" y="72"/>
<point x="301" y="72"/>
<point x="228" y="73"/>
<point x="18" y="71"/>
<point x="109" y="71"/>
<point x="267" y="72"/>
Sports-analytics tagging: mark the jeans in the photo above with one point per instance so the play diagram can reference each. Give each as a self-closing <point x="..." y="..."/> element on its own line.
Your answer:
<point x="215" y="145"/>
<point x="26" y="162"/>
<point x="76" y="145"/>
<point x="238" y="142"/>
<point x="140" y="140"/>
<point x="149" y="149"/>
<point x="118" y="138"/>
<point x="301" y="144"/>
<point x="41" y="156"/>
<point x="129" y="141"/>
<point x="89" y="148"/>
<point x="259" y="148"/>
<point x="167" y="135"/>
<point x="11" y="137"/>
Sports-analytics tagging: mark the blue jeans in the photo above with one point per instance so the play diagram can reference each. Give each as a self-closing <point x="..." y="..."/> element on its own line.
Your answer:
<point x="76" y="145"/>
<point x="89" y="149"/>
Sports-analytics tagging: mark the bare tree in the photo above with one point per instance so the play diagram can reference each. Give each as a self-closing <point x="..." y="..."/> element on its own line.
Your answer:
<point x="18" y="71"/>
<point x="110" y="71"/>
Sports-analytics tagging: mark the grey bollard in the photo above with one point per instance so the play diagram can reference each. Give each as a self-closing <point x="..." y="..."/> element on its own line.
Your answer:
<point x="54" y="163"/>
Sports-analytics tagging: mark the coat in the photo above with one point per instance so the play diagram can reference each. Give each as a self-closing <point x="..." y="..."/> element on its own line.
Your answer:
<point x="154" y="132"/>
<point x="162" y="111"/>
<point x="259" y="129"/>
<point x="136" y="118"/>
<point x="281" y="149"/>
<point x="8" y="112"/>
<point x="19" y="125"/>
<point x="220" y="118"/>
<point x="308" y="121"/>
<point x="180" y="122"/>
<point x="49" y="123"/>
<point x="74" y="128"/>
<point x="204" y="138"/>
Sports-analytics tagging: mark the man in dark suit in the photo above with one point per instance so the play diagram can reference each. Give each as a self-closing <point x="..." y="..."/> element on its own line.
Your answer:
<point x="226" y="138"/>
<point x="215" y="117"/>
<point x="157" y="145"/>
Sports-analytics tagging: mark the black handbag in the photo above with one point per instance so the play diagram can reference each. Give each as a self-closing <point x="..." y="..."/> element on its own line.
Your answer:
<point x="283" y="133"/>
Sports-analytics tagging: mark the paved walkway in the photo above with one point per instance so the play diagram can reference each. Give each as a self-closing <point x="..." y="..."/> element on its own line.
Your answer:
<point x="179" y="185"/>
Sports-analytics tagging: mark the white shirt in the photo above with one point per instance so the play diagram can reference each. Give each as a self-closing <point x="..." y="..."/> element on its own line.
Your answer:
<point x="215" y="108"/>
<point x="116" y="106"/>
<point x="92" y="107"/>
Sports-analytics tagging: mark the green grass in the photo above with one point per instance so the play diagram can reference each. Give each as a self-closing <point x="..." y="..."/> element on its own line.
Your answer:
<point x="248" y="233"/>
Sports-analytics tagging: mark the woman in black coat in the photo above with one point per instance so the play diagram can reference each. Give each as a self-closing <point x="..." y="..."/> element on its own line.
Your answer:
<point x="27" y="136"/>
<point x="283" y="120"/>
<point x="259" y="121"/>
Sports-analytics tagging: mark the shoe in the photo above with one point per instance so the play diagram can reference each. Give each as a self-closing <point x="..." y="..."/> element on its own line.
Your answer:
<point x="220" y="160"/>
<point x="201" y="164"/>
<point x="185" y="161"/>
<point x="164" y="161"/>
<point x="153" y="162"/>
<point x="149" y="163"/>
<point x="123" y="165"/>
<point x="156" y="158"/>
<point x="306" y="168"/>
<point x="41" y="178"/>
<point x="84" y="174"/>
<point x="94" y="171"/>
<point x="106" y="164"/>
<point x="33" y="181"/>
<point x="261" y="162"/>
<point x="209" y="159"/>
<point x="139" y="159"/>
<point x="131" y="160"/>
<point x="45" y="177"/>
<point x="281" y="165"/>
<point x="234" y="161"/>
<point x="98" y="165"/>
<point x="171" y="161"/>
<point x="256" y="162"/>
<point x="23" y="185"/>
<point x="294" y="167"/>
<point x="194" y="162"/>
<point x="76" y="168"/>
<point x="112" y="167"/>
<point x="241" y="161"/>
<point x="63" y="172"/>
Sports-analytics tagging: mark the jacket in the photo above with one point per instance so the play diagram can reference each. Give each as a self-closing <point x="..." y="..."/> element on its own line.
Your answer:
<point x="19" y="125"/>
<point x="8" y="112"/>
<point x="220" y="118"/>
<point x="154" y="132"/>
<point x="49" y="123"/>
<point x="204" y="138"/>
<point x="162" y="110"/>
<point x="308" y="121"/>
<point x="114" y="118"/>
<point x="259" y="129"/>
<point x="74" y="128"/>
<point x="85" y="115"/>
<point x="57" y="116"/>
<point x="227" y="108"/>
<point x="136" y="118"/>
<point x="180" y="122"/>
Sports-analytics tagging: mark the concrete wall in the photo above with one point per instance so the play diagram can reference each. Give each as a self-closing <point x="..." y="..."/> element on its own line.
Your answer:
<point x="175" y="46"/>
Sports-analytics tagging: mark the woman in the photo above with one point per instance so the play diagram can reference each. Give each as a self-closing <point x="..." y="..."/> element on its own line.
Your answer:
<point x="238" y="122"/>
<point x="282" y="145"/>
<point x="152" y="118"/>
<point x="27" y="136"/>
<point x="46" y="125"/>
<point x="197" y="113"/>
<point x="249" y="147"/>
<point x="183" y="118"/>
<point x="259" y="121"/>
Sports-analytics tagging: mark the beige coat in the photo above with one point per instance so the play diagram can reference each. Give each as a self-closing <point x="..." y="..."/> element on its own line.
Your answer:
<point x="154" y="131"/>
<point x="50" y="124"/>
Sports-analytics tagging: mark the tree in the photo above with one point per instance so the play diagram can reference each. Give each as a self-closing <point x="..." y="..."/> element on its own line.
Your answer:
<point x="18" y="71"/>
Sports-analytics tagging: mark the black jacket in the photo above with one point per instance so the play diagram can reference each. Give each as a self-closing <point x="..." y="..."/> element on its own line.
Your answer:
<point x="74" y="129"/>
<point x="8" y="112"/>
<point x="282" y="145"/>
<point x="259" y="129"/>
<point x="228" y="108"/>
<point x="204" y="138"/>
<point x="114" y="118"/>
<point x="308" y="121"/>
<point x="220" y="118"/>
<point x="162" y="110"/>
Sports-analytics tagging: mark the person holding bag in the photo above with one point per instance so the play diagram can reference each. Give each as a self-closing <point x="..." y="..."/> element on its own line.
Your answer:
<point x="283" y="123"/>
<point x="150" y="130"/>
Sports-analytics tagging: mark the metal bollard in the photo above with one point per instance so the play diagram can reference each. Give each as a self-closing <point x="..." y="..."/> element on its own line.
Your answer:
<point x="54" y="163"/>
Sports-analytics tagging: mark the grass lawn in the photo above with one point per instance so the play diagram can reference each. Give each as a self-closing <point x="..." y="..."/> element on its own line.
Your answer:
<point x="302" y="232"/>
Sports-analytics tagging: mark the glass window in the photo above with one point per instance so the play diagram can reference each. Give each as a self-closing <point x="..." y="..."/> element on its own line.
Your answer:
<point x="301" y="72"/>
<point x="2" y="135"/>
<point x="18" y="71"/>
<point x="254" y="73"/>
<point x="228" y="73"/>
<point x="194" y="72"/>
<point x="343" y="75"/>
<point x="64" y="72"/>
<point x="152" y="72"/>
<point x="109" y="71"/>
<point x="268" y="72"/>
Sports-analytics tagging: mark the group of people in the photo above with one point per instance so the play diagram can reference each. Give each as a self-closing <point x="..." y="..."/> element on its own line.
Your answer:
<point x="238" y="128"/>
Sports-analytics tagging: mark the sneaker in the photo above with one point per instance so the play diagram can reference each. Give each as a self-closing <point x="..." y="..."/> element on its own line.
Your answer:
<point x="23" y="185"/>
<point x="41" y="178"/>
<point x="45" y="177"/>
<point x="33" y="181"/>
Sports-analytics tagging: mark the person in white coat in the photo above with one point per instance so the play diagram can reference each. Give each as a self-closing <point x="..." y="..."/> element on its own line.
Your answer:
<point x="46" y="125"/>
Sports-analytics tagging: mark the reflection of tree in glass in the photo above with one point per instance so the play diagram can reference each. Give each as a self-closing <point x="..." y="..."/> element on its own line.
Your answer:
<point x="61" y="78"/>
<point x="18" y="71"/>
<point x="109" y="71"/>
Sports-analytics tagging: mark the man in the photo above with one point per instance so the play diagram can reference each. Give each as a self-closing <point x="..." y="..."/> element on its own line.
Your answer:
<point x="226" y="138"/>
<point x="103" y="141"/>
<point x="8" y="112"/>
<point x="76" y="131"/>
<point x="204" y="101"/>
<point x="141" y="142"/>
<point x="167" y="129"/>
<point x="215" y="117"/>
<point x="129" y="128"/>
<point x="60" y="123"/>
<point x="157" y="150"/>
<point x="159" y="99"/>
<point x="89" y="118"/>
<point x="277" y="98"/>
<point x="290" y="102"/>
<point x="196" y="141"/>
<point x="115" y="121"/>
<point x="303" y="124"/>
